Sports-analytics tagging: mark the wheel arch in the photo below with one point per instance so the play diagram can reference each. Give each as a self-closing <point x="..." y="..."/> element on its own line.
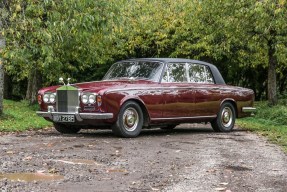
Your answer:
<point x="233" y="102"/>
<point x="143" y="108"/>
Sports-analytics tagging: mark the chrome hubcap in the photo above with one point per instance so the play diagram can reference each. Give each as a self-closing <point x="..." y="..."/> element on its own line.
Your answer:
<point x="130" y="119"/>
<point x="226" y="117"/>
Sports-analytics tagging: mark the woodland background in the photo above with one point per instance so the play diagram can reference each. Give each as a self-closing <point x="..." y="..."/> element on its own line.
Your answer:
<point x="41" y="40"/>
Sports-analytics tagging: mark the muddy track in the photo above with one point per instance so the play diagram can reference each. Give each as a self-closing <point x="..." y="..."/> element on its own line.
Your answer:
<point x="189" y="158"/>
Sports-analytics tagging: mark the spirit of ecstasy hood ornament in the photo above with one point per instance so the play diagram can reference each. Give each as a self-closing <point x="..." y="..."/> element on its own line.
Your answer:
<point x="61" y="80"/>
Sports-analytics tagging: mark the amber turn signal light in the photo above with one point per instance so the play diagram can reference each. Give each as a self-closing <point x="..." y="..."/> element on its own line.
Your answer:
<point x="99" y="100"/>
<point x="39" y="99"/>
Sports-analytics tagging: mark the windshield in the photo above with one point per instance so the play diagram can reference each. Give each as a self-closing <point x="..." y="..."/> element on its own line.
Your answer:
<point x="135" y="70"/>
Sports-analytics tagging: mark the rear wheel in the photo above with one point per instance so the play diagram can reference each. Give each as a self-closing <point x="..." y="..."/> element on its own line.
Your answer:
<point x="68" y="129"/>
<point x="225" y="119"/>
<point x="130" y="120"/>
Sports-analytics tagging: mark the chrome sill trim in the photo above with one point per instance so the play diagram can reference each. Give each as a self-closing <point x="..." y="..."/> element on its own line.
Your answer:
<point x="248" y="109"/>
<point x="179" y="118"/>
<point x="79" y="116"/>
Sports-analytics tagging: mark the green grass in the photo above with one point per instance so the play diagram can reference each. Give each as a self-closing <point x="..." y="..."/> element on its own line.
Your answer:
<point x="20" y="116"/>
<point x="269" y="121"/>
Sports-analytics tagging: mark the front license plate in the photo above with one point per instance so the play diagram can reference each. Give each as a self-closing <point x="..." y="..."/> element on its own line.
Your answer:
<point x="64" y="118"/>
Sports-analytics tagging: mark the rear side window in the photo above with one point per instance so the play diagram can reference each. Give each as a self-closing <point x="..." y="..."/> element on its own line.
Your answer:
<point x="187" y="72"/>
<point x="199" y="74"/>
<point x="209" y="77"/>
<point x="175" y="72"/>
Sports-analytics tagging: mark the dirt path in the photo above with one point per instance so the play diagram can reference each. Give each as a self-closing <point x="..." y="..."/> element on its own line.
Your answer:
<point x="185" y="159"/>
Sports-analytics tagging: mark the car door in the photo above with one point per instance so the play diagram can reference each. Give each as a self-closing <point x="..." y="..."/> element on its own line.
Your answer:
<point x="178" y="95"/>
<point x="206" y="92"/>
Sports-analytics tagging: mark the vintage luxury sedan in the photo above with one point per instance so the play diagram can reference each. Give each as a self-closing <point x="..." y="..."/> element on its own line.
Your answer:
<point x="147" y="92"/>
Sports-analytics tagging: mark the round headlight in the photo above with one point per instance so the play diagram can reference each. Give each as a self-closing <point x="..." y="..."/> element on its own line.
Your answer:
<point x="85" y="99"/>
<point x="46" y="98"/>
<point x="92" y="99"/>
<point x="53" y="98"/>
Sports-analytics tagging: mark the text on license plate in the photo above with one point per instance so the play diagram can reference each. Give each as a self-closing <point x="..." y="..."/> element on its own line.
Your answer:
<point x="64" y="118"/>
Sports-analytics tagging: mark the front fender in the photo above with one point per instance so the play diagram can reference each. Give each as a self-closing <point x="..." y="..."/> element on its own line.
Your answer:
<point x="114" y="101"/>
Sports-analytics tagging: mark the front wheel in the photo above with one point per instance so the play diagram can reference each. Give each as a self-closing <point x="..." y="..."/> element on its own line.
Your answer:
<point x="68" y="129"/>
<point x="130" y="120"/>
<point x="225" y="119"/>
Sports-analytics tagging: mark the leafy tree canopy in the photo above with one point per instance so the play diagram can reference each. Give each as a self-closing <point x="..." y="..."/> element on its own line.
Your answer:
<point x="72" y="38"/>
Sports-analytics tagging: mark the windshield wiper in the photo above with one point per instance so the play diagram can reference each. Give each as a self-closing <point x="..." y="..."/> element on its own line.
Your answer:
<point x="141" y="78"/>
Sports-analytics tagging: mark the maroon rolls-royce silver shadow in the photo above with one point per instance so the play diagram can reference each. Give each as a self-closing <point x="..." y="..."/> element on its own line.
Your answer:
<point x="147" y="92"/>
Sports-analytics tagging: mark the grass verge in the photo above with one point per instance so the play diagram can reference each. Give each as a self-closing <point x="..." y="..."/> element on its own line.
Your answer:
<point x="269" y="121"/>
<point x="20" y="116"/>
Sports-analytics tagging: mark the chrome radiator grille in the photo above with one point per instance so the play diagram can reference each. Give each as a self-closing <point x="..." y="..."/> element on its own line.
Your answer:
<point x="67" y="100"/>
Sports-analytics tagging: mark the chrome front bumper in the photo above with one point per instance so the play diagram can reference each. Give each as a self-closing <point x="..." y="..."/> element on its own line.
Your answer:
<point x="79" y="116"/>
<point x="248" y="109"/>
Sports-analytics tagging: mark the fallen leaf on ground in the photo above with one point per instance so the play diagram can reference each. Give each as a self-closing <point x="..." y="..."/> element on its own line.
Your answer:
<point x="27" y="158"/>
<point x="117" y="171"/>
<point x="223" y="183"/>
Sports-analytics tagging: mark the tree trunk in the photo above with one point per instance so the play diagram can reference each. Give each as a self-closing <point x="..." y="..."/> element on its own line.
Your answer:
<point x="1" y="87"/>
<point x="272" y="96"/>
<point x="34" y="83"/>
<point x="282" y="82"/>
<point x="2" y="45"/>
<point x="8" y="87"/>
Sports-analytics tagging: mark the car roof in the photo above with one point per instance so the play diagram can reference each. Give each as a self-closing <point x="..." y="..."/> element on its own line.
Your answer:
<point x="167" y="60"/>
<point x="216" y="74"/>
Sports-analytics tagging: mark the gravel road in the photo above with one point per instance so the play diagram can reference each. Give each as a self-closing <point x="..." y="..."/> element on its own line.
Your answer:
<point x="189" y="158"/>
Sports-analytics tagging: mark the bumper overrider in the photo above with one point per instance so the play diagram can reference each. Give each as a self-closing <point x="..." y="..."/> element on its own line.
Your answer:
<point x="79" y="116"/>
<point x="248" y="109"/>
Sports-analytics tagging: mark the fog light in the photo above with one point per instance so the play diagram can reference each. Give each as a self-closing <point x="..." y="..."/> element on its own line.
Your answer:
<point x="51" y="109"/>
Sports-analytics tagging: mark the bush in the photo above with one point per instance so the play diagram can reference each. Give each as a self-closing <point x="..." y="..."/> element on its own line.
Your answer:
<point x="275" y="114"/>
